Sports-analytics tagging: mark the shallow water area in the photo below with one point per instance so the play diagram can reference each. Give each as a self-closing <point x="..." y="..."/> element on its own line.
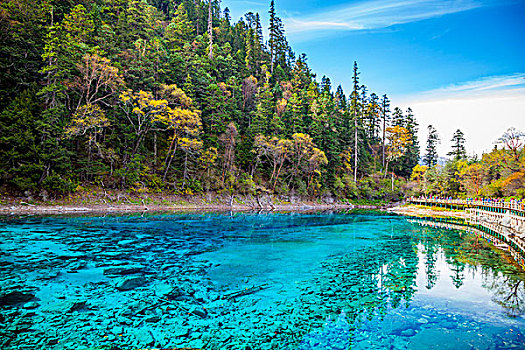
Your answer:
<point x="356" y="280"/>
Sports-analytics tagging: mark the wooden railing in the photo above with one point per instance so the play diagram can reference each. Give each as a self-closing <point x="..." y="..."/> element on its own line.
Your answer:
<point x="493" y="205"/>
<point x="490" y="231"/>
<point x="503" y="220"/>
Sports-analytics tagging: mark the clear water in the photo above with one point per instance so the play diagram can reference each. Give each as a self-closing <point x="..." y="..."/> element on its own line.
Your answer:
<point x="359" y="280"/>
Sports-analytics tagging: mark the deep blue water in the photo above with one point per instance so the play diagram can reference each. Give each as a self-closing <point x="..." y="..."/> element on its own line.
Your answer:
<point x="360" y="280"/>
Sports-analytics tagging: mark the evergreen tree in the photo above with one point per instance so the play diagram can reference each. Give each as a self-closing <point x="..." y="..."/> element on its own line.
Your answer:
<point x="385" y="118"/>
<point x="458" y="146"/>
<point x="431" y="157"/>
<point x="405" y="165"/>
<point x="398" y="119"/>
<point x="276" y="41"/>
<point x="372" y="117"/>
<point x="355" y="106"/>
<point x="210" y="30"/>
<point x="180" y="30"/>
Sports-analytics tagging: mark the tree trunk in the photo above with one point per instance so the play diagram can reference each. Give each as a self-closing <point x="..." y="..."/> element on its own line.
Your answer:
<point x="185" y="176"/>
<point x="277" y="176"/>
<point x="272" y="59"/>
<point x="169" y="163"/>
<point x="384" y="138"/>
<point x="155" y="149"/>
<point x="274" y="170"/>
<point x="355" y="145"/>
<point x="135" y="149"/>
<point x="210" y="30"/>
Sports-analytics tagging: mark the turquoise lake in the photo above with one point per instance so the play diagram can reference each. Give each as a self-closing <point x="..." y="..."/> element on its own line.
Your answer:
<point x="356" y="280"/>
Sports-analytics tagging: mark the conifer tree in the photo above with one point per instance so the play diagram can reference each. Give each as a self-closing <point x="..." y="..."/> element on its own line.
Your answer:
<point x="372" y="113"/>
<point x="431" y="157"/>
<point x="355" y="105"/>
<point x="458" y="146"/>
<point x="210" y="30"/>
<point x="273" y="32"/>
<point x="398" y="119"/>
<point x="180" y="30"/>
<point x="405" y="165"/>
<point x="385" y="118"/>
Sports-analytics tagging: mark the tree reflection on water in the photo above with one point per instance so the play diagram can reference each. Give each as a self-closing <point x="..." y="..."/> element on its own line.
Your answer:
<point x="502" y="277"/>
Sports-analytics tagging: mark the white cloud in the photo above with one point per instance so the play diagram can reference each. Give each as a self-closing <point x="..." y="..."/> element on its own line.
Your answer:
<point x="482" y="109"/>
<point x="484" y="84"/>
<point x="376" y="14"/>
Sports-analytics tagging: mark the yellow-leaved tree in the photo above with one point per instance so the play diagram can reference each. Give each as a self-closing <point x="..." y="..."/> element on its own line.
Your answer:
<point x="276" y="150"/>
<point x="316" y="159"/>
<point x="173" y="112"/>
<point x="398" y="141"/>
<point x="97" y="85"/>
<point x="183" y="120"/>
<point x="471" y="177"/>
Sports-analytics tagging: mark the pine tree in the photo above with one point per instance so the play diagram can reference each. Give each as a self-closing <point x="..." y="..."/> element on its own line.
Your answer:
<point x="385" y="117"/>
<point x="23" y="25"/>
<point x="458" y="146"/>
<point x="372" y="118"/>
<point x="265" y="109"/>
<point x="210" y="30"/>
<point x="431" y="157"/>
<point x="326" y="85"/>
<point x="275" y="34"/>
<point x="398" y="119"/>
<point x="180" y="30"/>
<point x="410" y="159"/>
<point x="355" y="106"/>
<point x="21" y="154"/>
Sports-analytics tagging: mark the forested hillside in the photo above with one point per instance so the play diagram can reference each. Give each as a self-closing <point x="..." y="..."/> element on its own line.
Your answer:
<point x="166" y="95"/>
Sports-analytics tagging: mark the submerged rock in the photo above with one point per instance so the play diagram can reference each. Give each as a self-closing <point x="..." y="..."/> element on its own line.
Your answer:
<point x="16" y="297"/>
<point x="123" y="270"/>
<point x="143" y="337"/>
<point x="164" y="290"/>
<point x="334" y="335"/>
<point x="130" y="282"/>
<point x="31" y="305"/>
<point x="152" y="319"/>
<point x="66" y="306"/>
<point x="408" y="332"/>
<point x="199" y="311"/>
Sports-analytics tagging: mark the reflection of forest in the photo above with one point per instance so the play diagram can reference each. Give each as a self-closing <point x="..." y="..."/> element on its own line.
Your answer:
<point x="370" y="281"/>
<point x="365" y="282"/>
<point x="465" y="253"/>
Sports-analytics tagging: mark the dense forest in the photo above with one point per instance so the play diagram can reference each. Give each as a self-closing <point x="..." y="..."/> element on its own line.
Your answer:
<point x="171" y="96"/>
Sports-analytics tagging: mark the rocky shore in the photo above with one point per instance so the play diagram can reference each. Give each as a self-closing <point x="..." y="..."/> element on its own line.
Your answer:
<point x="42" y="209"/>
<point x="158" y="203"/>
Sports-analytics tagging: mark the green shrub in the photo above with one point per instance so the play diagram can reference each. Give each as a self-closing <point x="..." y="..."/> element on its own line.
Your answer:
<point x="55" y="184"/>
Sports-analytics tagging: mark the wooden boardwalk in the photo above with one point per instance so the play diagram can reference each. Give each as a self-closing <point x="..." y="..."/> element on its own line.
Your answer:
<point x="490" y="205"/>
<point x="502" y="222"/>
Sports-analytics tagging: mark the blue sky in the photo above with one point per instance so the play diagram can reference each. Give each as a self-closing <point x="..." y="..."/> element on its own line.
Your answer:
<point x="456" y="62"/>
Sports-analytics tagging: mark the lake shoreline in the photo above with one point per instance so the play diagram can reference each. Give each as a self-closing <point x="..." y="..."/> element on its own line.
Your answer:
<point x="244" y="204"/>
<point x="42" y="209"/>
<point x="57" y="208"/>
